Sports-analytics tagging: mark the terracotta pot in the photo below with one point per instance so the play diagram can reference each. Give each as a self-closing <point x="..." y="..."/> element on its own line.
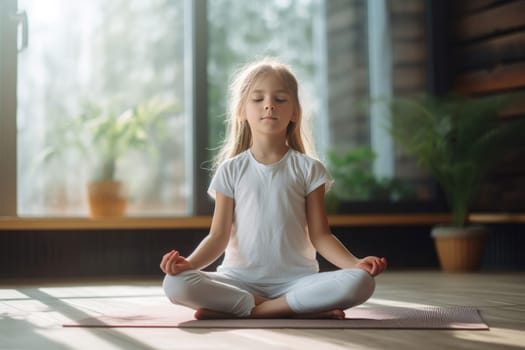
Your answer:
<point x="460" y="249"/>
<point x="107" y="199"/>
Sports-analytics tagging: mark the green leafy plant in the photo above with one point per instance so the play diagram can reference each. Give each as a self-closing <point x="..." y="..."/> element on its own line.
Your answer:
<point x="355" y="181"/>
<point x="103" y="136"/>
<point x="457" y="139"/>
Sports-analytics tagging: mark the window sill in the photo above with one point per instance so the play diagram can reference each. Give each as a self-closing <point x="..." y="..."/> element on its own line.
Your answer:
<point x="204" y="222"/>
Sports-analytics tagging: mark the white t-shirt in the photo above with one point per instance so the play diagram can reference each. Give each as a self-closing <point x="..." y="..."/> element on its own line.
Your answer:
<point x="269" y="241"/>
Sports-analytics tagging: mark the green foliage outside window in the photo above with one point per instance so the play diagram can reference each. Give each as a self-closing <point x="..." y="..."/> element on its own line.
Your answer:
<point x="355" y="181"/>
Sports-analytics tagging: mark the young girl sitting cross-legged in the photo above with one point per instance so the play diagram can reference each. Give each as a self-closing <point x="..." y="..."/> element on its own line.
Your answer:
<point x="269" y="218"/>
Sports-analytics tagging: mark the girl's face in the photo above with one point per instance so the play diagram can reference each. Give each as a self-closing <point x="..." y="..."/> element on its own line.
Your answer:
<point x="269" y="107"/>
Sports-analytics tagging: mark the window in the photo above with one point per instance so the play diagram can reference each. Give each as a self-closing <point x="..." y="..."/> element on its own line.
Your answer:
<point x="90" y="62"/>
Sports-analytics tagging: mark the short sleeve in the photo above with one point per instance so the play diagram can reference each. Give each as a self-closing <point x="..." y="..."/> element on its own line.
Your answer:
<point x="222" y="181"/>
<point x="316" y="176"/>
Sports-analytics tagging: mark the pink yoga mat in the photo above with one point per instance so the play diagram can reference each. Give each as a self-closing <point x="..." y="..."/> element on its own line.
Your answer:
<point x="381" y="317"/>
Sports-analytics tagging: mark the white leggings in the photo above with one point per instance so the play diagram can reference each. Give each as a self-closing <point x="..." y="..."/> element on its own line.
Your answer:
<point x="318" y="292"/>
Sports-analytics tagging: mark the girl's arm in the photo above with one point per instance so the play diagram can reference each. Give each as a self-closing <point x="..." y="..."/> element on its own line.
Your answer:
<point x="327" y="244"/>
<point x="211" y="247"/>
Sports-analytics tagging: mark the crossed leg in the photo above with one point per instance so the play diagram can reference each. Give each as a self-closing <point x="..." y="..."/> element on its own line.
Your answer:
<point x="320" y="295"/>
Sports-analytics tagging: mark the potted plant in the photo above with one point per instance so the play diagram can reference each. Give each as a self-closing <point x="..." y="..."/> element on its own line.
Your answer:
<point x="109" y="136"/>
<point x="457" y="139"/>
<point x="103" y="137"/>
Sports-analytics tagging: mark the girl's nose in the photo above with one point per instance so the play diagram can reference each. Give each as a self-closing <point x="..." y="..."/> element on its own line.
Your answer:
<point x="269" y="107"/>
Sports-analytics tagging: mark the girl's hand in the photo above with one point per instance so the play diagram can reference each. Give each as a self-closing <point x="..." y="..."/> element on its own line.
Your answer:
<point x="172" y="263"/>
<point x="372" y="264"/>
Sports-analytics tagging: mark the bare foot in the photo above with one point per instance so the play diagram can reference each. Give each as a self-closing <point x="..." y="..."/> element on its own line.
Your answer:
<point x="333" y="314"/>
<point x="205" y="314"/>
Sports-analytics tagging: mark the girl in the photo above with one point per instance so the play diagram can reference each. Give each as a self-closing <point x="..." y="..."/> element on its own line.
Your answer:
<point x="269" y="218"/>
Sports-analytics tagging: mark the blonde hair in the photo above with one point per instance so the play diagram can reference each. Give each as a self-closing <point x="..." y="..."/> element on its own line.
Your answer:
<point x="238" y="134"/>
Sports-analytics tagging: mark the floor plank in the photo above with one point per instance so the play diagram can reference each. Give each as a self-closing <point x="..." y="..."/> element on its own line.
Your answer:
<point x="32" y="312"/>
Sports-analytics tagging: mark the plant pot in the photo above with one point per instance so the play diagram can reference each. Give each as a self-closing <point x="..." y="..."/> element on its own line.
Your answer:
<point x="107" y="199"/>
<point x="460" y="249"/>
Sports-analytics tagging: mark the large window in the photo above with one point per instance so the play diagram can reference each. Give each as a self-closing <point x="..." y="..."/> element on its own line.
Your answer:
<point x="103" y="89"/>
<point x="101" y="96"/>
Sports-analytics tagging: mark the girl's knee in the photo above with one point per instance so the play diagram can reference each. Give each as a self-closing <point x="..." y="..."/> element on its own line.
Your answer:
<point x="181" y="286"/>
<point x="194" y="289"/>
<point x="368" y="285"/>
<point x="339" y="289"/>
<point x="359" y="285"/>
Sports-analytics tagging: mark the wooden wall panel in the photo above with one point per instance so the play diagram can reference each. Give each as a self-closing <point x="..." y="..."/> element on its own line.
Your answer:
<point x="503" y="49"/>
<point x="501" y="78"/>
<point x="488" y="46"/>
<point x="501" y="18"/>
<point x="468" y="6"/>
<point x="487" y="50"/>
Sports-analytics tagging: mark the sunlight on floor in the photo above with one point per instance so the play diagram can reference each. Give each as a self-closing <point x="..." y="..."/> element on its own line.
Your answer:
<point x="496" y="336"/>
<point x="76" y="339"/>
<point x="386" y="302"/>
<point x="9" y="294"/>
<point x="27" y="310"/>
<point x="102" y="291"/>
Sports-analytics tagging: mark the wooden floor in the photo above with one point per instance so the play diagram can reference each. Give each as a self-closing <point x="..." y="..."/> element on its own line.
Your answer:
<point x="31" y="315"/>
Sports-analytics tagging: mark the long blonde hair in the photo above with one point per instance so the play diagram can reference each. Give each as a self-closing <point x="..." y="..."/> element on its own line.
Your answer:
<point x="238" y="134"/>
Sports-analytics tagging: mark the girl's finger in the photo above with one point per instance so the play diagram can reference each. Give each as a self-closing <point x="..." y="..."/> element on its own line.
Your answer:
<point x="169" y="253"/>
<point x="181" y="259"/>
<point x="166" y="256"/>
<point x="365" y="268"/>
<point x="382" y="265"/>
<point x="379" y="266"/>
<point x="171" y="267"/>
<point x="163" y="263"/>
<point x="175" y="268"/>
<point x="166" y="260"/>
<point x="374" y="267"/>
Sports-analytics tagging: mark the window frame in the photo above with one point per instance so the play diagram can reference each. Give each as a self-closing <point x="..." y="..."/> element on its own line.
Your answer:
<point x="8" y="87"/>
<point x="196" y="101"/>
